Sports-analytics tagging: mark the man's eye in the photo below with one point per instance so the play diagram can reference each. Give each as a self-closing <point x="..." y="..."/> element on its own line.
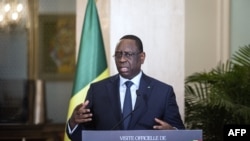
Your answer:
<point x="127" y="54"/>
<point x="118" y="54"/>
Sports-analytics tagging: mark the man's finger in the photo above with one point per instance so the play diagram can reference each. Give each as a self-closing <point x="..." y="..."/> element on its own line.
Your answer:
<point x="82" y="105"/>
<point x="159" y="121"/>
<point x="79" y="106"/>
<point x="86" y="103"/>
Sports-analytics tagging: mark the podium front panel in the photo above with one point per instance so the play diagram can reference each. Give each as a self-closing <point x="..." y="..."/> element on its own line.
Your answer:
<point x="143" y="135"/>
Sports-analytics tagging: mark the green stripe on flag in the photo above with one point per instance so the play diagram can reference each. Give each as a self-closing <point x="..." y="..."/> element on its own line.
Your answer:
<point x="91" y="56"/>
<point x="91" y="61"/>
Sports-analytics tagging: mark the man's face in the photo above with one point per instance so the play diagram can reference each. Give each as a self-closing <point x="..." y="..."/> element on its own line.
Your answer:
<point x="128" y="59"/>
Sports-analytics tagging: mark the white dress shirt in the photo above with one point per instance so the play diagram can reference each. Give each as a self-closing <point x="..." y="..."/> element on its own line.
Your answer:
<point x="133" y="89"/>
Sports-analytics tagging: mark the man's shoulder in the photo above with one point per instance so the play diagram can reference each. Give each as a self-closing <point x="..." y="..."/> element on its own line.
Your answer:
<point x="109" y="79"/>
<point x="155" y="81"/>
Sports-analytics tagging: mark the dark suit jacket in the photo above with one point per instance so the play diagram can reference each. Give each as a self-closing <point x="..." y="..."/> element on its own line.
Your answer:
<point x="154" y="100"/>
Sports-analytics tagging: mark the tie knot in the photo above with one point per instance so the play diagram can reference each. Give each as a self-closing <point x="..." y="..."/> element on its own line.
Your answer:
<point x="128" y="84"/>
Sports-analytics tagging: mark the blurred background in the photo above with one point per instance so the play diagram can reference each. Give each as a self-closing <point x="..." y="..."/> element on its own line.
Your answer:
<point x="39" y="42"/>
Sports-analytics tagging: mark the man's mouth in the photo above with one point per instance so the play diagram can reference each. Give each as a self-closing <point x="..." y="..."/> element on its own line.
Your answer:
<point x="123" y="69"/>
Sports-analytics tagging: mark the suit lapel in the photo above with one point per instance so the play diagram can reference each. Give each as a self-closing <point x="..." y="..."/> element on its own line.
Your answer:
<point x="114" y="96"/>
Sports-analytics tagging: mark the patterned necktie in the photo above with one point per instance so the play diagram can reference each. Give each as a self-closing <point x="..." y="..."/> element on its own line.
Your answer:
<point x="127" y="106"/>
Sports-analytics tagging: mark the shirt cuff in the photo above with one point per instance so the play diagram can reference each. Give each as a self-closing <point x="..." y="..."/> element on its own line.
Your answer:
<point x="71" y="130"/>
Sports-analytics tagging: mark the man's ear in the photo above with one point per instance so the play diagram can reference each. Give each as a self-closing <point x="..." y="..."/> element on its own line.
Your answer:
<point x="142" y="57"/>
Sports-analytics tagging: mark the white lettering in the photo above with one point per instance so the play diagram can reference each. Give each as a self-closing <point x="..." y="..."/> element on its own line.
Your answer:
<point x="127" y="138"/>
<point x="231" y="132"/>
<point x="146" y="138"/>
<point x="163" y="138"/>
<point x="236" y="132"/>
<point x="243" y="131"/>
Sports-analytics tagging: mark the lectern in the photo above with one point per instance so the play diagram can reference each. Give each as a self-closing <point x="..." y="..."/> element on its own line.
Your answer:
<point x="143" y="135"/>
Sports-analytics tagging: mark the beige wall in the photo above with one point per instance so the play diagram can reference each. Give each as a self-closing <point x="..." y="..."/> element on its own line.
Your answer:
<point x="206" y="34"/>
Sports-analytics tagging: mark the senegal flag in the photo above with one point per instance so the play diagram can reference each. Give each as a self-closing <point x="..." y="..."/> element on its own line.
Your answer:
<point x="91" y="62"/>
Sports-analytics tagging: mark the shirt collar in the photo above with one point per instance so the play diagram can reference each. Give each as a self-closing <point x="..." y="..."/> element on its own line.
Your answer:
<point x="135" y="80"/>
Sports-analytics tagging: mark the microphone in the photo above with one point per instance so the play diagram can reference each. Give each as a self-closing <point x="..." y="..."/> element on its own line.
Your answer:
<point x="137" y="93"/>
<point x="121" y="121"/>
<point x="143" y="96"/>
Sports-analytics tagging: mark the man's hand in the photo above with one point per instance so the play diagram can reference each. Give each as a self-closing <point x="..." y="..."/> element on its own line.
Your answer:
<point x="80" y="115"/>
<point x="162" y="125"/>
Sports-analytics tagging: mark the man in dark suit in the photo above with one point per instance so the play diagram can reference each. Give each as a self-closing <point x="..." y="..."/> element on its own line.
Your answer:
<point x="153" y="102"/>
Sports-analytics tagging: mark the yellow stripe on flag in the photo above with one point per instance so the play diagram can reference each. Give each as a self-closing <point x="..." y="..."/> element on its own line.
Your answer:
<point x="80" y="96"/>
